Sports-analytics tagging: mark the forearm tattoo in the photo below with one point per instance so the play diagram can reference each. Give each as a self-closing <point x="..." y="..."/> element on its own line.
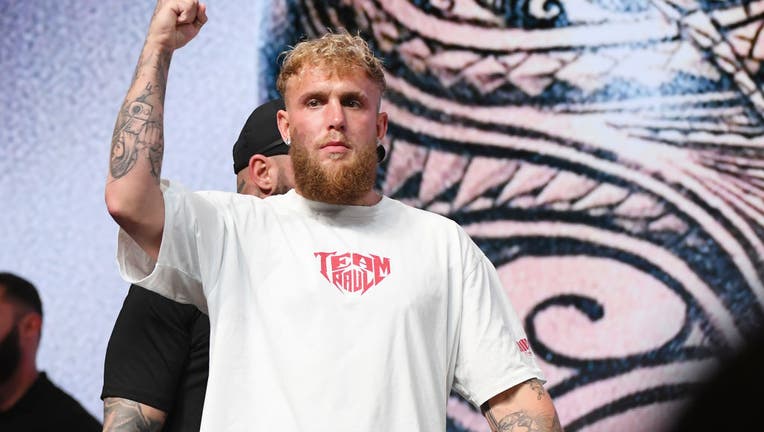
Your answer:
<point x="538" y="388"/>
<point x="122" y="415"/>
<point x="139" y="125"/>
<point x="521" y="421"/>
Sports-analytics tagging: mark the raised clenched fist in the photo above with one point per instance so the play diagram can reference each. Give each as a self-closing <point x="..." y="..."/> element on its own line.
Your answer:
<point x="176" y="22"/>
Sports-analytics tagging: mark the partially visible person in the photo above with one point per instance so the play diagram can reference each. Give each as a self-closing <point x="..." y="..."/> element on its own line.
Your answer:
<point x="29" y="401"/>
<point x="730" y="397"/>
<point x="157" y="360"/>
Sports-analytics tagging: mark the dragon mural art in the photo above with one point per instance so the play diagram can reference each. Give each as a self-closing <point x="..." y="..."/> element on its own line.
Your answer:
<point x="607" y="155"/>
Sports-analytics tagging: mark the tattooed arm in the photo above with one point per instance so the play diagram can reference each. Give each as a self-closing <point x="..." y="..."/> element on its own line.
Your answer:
<point x="527" y="407"/>
<point x="132" y="194"/>
<point x="124" y="415"/>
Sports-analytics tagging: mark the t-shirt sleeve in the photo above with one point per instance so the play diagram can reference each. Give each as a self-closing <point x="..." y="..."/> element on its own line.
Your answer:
<point x="191" y="224"/>
<point x="148" y="349"/>
<point x="493" y="353"/>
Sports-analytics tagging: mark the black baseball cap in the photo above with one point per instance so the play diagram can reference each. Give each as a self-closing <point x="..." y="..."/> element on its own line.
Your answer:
<point x="260" y="135"/>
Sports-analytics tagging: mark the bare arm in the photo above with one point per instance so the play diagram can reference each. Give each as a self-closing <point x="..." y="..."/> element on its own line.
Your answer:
<point x="526" y="407"/>
<point x="132" y="194"/>
<point x="125" y="415"/>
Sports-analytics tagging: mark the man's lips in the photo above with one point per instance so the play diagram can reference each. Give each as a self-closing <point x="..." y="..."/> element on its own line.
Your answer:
<point x="335" y="147"/>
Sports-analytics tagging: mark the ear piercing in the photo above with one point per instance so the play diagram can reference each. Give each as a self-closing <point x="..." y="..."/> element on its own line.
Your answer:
<point x="381" y="151"/>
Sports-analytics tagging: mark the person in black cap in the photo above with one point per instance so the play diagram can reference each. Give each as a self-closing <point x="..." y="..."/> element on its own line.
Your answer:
<point x="260" y="157"/>
<point x="157" y="359"/>
<point x="29" y="401"/>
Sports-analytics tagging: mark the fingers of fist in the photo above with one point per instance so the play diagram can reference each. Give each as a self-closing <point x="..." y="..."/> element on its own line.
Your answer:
<point x="191" y="12"/>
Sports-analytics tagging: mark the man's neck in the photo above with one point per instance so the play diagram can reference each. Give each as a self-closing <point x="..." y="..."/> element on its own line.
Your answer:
<point x="17" y="386"/>
<point x="368" y="199"/>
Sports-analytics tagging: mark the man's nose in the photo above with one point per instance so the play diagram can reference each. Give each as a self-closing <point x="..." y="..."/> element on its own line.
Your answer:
<point x="335" y="115"/>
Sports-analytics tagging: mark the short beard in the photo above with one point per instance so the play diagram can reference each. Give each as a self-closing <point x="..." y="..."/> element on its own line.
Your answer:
<point x="347" y="184"/>
<point x="10" y="354"/>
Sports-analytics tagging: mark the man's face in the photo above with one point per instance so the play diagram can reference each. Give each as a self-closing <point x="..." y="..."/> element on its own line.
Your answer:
<point x="333" y="123"/>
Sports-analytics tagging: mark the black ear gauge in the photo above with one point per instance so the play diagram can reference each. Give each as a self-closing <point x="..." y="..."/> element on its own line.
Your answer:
<point x="381" y="152"/>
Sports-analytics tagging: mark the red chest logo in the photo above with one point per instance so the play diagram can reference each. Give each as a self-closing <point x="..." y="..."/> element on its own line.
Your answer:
<point x="353" y="272"/>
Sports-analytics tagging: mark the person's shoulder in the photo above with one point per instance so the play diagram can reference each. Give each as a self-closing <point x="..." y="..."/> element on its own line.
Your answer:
<point x="172" y="188"/>
<point x="64" y="409"/>
<point x="225" y="197"/>
<point x="233" y="205"/>
<point x="53" y="393"/>
<point x="416" y="213"/>
<point x="176" y="192"/>
<point x="289" y="202"/>
<point x="431" y="224"/>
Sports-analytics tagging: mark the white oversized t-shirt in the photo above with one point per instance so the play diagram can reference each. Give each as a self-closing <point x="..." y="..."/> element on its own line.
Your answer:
<point x="334" y="318"/>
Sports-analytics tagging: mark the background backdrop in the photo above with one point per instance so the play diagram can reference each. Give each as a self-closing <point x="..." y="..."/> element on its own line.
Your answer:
<point x="605" y="154"/>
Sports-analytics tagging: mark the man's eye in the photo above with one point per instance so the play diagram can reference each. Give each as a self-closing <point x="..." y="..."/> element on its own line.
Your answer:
<point x="313" y="103"/>
<point x="353" y="103"/>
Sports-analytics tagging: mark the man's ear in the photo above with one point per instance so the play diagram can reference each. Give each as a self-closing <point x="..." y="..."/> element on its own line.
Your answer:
<point x="259" y="173"/>
<point x="282" y="120"/>
<point x="381" y="125"/>
<point x="30" y="326"/>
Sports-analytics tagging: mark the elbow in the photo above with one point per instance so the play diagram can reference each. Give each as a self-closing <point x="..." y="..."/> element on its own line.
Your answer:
<point x="119" y="205"/>
<point x="114" y="203"/>
<point x="140" y="214"/>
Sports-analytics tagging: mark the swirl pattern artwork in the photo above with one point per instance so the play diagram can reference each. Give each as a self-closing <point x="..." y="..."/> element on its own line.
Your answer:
<point x="607" y="155"/>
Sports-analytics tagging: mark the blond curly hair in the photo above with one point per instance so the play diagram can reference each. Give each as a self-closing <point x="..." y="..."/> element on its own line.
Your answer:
<point x="337" y="52"/>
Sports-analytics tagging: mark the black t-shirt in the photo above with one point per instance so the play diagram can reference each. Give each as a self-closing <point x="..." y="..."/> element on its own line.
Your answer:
<point x="158" y="355"/>
<point x="47" y="408"/>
